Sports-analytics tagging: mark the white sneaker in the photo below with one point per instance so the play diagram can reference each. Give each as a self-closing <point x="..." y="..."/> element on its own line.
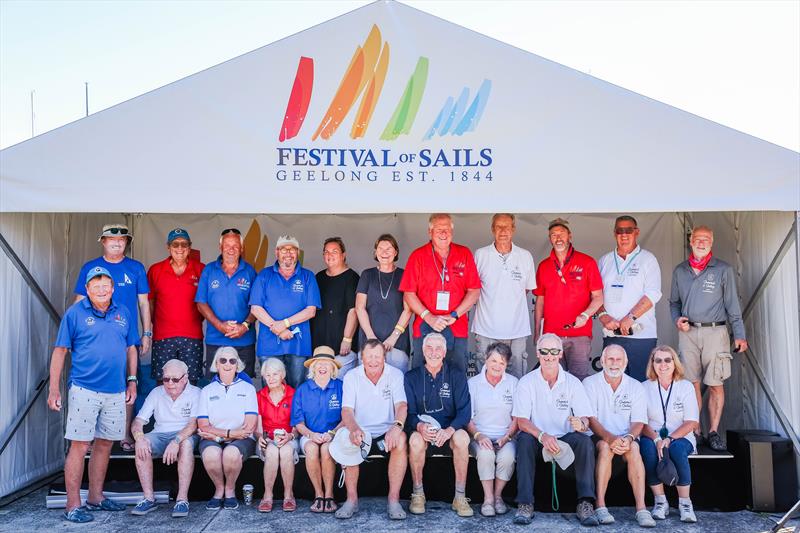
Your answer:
<point x="603" y="516"/>
<point x="660" y="510"/>
<point x="687" y="513"/>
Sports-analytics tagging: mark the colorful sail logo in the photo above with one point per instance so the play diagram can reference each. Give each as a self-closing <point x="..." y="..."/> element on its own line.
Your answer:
<point x="364" y="79"/>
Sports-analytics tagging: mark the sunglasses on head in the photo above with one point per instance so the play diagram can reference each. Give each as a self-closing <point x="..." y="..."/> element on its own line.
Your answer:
<point x="230" y="230"/>
<point x="226" y="360"/>
<point x="117" y="231"/>
<point x="173" y="380"/>
<point x="549" y="351"/>
<point x="624" y="231"/>
<point x="658" y="360"/>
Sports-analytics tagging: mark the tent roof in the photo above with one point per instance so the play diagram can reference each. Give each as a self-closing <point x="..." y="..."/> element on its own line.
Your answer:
<point x="397" y="96"/>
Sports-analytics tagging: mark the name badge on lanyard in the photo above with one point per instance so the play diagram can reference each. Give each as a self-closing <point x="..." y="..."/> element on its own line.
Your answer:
<point x="442" y="296"/>
<point x="614" y="293"/>
<point x="443" y="300"/>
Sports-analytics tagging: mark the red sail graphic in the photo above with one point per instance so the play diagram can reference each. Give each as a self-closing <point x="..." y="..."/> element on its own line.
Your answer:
<point x="299" y="99"/>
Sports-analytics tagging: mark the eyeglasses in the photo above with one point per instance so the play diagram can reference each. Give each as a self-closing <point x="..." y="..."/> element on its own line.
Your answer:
<point x="173" y="380"/>
<point x="624" y="231"/>
<point x="550" y="351"/>
<point x="225" y="361"/>
<point x="230" y="230"/>
<point x="117" y="231"/>
<point x="183" y="244"/>
<point x="364" y="450"/>
<point x="658" y="360"/>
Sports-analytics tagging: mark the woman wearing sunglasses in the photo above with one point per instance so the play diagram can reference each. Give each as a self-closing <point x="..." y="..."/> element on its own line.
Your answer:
<point x="226" y="418"/>
<point x="672" y="416"/>
<point x="316" y="415"/>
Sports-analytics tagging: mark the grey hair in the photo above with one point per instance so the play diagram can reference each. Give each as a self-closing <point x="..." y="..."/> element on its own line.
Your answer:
<point x="611" y="347"/>
<point x="177" y="363"/>
<point x="434" y="337"/>
<point x="226" y="351"/>
<point x="272" y="363"/>
<point x="440" y="216"/>
<point x="547" y="336"/>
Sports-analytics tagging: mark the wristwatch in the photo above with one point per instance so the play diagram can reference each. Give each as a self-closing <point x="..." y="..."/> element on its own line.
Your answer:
<point x="133" y="378"/>
<point x="454" y="314"/>
<point x="177" y="439"/>
<point x="147" y="334"/>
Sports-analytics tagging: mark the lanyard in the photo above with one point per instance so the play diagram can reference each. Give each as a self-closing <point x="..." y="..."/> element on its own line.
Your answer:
<point x="627" y="263"/>
<point x="443" y="273"/>
<point x="566" y="262"/>
<point x="664" y="405"/>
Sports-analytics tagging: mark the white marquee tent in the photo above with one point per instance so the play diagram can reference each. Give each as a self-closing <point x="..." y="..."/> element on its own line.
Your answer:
<point x="361" y="125"/>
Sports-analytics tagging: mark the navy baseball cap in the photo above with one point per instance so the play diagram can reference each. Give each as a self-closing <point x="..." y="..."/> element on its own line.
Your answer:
<point x="178" y="233"/>
<point x="97" y="271"/>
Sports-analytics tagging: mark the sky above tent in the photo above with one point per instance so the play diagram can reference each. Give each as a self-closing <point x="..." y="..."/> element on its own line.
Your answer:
<point x="737" y="63"/>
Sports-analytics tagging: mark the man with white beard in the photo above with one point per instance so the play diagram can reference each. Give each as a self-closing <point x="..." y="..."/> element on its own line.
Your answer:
<point x="620" y="412"/>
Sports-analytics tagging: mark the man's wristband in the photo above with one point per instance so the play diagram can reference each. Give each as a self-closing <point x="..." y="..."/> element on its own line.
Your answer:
<point x="585" y="314"/>
<point x="475" y="436"/>
<point x="246" y="325"/>
<point x="541" y="436"/>
<point x="601" y="314"/>
<point x="332" y="432"/>
<point x="423" y="314"/>
<point x="137" y="435"/>
<point x="348" y="340"/>
<point x="286" y="322"/>
<point x="132" y="378"/>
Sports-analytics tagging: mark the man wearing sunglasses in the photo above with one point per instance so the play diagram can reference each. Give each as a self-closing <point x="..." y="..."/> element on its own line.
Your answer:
<point x="223" y="295"/>
<point x="102" y="339"/>
<point x="173" y="405"/>
<point x="439" y="391"/>
<point x="569" y="290"/>
<point x="551" y="406"/>
<point x="130" y="291"/>
<point x="631" y="289"/>
<point x="177" y="324"/>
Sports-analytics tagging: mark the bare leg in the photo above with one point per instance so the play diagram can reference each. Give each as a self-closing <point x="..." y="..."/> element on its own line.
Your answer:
<point x="313" y="468"/>
<point x="351" y="483"/>
<point x="499" y="485"/>
<point x="73" y="472"/>
<point x="231" y="465"/>
<point x="328" y="470"/>
<point x="636" y="474"/>
<point x="605" y="458"/>
<point x="185" y="469"/>
<point x="416" y="457"/>
<point x="683" y="491"/>
<point x="287" y="471"/>
<point x="398" y="462"/>
<point x="145" y="470"/>
<point x="716" y="401"/>
<point x="459" y="444"/>
<point x="699" y="394"/>
<point x="488" y="491"/>
<point x="658" y="490"/>
<point x="98" y="464"/>
<point x="271" y="460"/>
<point x="212" y="461"/>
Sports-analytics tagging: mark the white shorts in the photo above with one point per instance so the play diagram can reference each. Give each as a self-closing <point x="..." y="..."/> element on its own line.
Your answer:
<point x="95" y="415"/>
<point x="293" y="444"/>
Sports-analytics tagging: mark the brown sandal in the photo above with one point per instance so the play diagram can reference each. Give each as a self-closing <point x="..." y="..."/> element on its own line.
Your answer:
<point x="318" y="506"/>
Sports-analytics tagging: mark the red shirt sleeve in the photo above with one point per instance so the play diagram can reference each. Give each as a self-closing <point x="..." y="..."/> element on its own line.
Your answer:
<point x="595" y="279"/>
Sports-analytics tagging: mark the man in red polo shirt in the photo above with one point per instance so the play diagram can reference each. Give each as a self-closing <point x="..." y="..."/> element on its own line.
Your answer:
<point x="177" y="324"/>
<point x="569" y="290"/>
<point x="440" y="285"/>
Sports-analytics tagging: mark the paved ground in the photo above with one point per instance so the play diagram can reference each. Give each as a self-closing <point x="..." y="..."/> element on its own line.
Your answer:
<point x="29" y="514"/>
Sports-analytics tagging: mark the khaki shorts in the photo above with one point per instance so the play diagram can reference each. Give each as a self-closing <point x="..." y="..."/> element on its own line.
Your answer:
<point x="95" y="415"/>
<point x="706" y="354"/>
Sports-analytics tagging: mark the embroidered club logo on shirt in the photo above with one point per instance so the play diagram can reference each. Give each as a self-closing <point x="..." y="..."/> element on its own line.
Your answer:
<point x="333" y="403"/>
<point x="575" y="272"/>
<point x="507" y="398"/>
<point x="444" y="392"/>
<point x="562" y="402"/>
<point x="215" y="284"/>
<point x="387" y="393"/>
<point x="89" y="321"/>
<point x="213" y="398"/>
<point x="120" y="320"/>
<point x="622" y="403"/>
<point x="186" y="411"/>
<point x="298" y="286"/>
<point x="243" y="284"/>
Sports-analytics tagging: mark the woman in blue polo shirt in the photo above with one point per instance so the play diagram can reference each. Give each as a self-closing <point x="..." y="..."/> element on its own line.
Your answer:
<point x="226" y="419"/>
<point x="316" y="415"/>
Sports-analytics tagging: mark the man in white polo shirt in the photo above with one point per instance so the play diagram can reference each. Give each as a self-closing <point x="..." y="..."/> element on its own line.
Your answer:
<point x="550" y="405"/>
<point x="507" y="273"/>
<point x="620" y="412"/>
<point x="173" y="405"/>
<point x="631" y="289"/>
<point x="374" y="402"/>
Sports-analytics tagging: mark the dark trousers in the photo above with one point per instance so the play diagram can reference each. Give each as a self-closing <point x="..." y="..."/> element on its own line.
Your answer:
<point x="638" y="351"/>
<point x="679" y="451"/>
<point x="529" y="449"/>
<point x="457" y="357"/>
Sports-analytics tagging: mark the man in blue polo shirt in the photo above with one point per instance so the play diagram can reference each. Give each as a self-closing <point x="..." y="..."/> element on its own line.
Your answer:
<point x="102" y="338"/>
<point x="130" y="291"/>
<point x="285" y="297"/>
<point x="223" y="293"/>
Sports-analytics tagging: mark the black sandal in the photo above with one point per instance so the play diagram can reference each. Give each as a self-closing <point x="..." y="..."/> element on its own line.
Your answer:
<point x="330" y="505"/>
<point x="321" y="508"/>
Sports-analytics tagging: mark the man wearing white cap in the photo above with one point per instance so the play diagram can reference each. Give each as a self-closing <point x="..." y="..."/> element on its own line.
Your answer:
<point x="130" y="291"/>
<point x="552" y="410"/>
<point x="285" y="296"/>
<point x="374" y="403"/>
<point x="620" y="411"/>
<point x="102" y="339"/>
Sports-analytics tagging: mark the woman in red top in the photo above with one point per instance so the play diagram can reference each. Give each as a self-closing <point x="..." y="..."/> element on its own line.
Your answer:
<point x="276" y="437"/>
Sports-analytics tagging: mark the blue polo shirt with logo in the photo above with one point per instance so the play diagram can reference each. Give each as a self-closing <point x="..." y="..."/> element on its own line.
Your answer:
<point x="99" y="344"/>
<point x="319" y="409"/>
<point x="444" y="397"/>
<point x="228" y="297"/>
<point x="282" y="298"/>
<point x="130" y="280"/>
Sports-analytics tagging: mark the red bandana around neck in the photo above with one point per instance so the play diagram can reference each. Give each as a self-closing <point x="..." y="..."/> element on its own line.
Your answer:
<point x="699" y="264"/>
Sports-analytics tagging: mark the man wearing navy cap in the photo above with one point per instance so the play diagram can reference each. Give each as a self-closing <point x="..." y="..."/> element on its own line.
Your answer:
<point x="177" y="324"/>
<point x="102" y="339"/>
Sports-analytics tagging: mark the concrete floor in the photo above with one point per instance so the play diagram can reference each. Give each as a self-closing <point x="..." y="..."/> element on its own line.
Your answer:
<point x="30" y="514"/>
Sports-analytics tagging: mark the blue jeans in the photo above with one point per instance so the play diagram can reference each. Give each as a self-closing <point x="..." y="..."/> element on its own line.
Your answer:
<point x="679" y="451"/>
<point x="295" y="369"/>
<point x="457" y="357"/>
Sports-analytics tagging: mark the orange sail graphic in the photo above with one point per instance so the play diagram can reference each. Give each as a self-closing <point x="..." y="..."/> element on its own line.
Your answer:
<point x="370" y="98"/>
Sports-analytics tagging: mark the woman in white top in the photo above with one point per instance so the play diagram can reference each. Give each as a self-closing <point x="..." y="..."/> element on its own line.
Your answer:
<point x="672" y="414"/>
<point x="492" y="428"/>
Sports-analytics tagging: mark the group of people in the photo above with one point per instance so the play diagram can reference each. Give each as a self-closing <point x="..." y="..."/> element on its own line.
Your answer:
<point x="343" y="379"/>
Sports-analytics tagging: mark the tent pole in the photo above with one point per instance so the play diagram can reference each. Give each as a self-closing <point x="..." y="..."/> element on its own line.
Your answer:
<point x="51" y="310"/>
<point x="791" y="237"/>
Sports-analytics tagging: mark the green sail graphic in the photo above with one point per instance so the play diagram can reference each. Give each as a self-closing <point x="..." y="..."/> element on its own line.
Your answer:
<point x="406" y="110"/>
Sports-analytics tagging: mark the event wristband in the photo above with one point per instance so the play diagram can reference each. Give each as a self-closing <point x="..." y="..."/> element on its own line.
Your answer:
<point x="132" y="378"/>
<point x="286" y="322"/>
<point x="541" y="436"/>
<point x="475" y="436"/>
<point x="585" y="314"/>
<point x="629" y="435"/>
<point x="246" y="325"/>
<point x="399" y="329"/>
<point x="137" y="434"/>
<point x="424" y="314"/>
<point x="332" y="432"/>
<point x="601" y="314"/>
<point x="348" y="340"/>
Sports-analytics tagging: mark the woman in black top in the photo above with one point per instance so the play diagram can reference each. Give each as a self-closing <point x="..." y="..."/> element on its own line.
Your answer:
<point x="335" y="324"/>
<point x="381" y="311"/>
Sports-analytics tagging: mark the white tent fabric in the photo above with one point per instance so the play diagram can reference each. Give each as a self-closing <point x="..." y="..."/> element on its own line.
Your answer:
<point x="552" y="139"/>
